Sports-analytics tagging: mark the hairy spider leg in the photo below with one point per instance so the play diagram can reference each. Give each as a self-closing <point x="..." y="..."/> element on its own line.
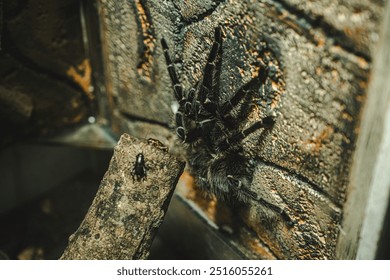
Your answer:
<point x="240" y="186"/>
<point x="177" y="87"/>
<point x="180" y="130"/>
<point x="210" y="84"/>
<point x="265" y="123"/>
<point x="254" y="83"/>
<point x="178" y="91"/>
<point x="276" y="209"/>
<point x="254" y="196"/>
<point x="187" y="131"/>
<point x="189" y="104"/>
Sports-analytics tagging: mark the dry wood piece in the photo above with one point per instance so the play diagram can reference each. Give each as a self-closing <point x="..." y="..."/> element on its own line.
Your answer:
<point x="129" y="205"/>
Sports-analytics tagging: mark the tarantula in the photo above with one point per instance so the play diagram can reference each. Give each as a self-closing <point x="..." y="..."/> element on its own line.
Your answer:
<point x="210" y="130"/>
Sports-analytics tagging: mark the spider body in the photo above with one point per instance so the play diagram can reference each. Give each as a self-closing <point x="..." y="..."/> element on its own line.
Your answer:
<point x="139" y="168"/>
<point x="212" y="132"/>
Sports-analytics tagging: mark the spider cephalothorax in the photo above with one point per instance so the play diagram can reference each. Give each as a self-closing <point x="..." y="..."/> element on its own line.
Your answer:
<point x="212" y="133"/>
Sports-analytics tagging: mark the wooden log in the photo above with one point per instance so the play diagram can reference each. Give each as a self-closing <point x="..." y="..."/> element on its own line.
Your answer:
<point x="322" y="65"/>
<point x="129" y="205"/>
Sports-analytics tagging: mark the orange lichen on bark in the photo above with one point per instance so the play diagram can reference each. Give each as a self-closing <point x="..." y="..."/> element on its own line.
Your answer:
<point x="82" y="76"/>
<point x="145" y="66"/>
<point x="316" y="142"/>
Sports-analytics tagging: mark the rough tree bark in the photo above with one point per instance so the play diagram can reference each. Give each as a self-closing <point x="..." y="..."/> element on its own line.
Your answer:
<point x="127" y="211"/>
<point x="321" y="53"/>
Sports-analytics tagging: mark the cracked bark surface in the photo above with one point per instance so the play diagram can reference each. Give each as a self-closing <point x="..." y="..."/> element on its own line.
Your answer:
<point x="126" y="212"/>
<point x="304" y="162"/>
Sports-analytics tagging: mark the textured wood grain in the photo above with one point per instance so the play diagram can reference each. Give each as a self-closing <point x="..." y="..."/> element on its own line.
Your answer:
<point x="324" y="61"/>
<point x="365" y="221"/>
<point x="125" y="214"/>
<point x="352" y="23"/>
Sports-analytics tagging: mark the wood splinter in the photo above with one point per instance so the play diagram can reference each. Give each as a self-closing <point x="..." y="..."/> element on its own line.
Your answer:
<point x="128" y="207"/>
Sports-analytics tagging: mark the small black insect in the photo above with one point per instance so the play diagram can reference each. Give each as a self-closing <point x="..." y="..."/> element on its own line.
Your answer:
<point x="139" y="168"/>
<point x="212" y="132"/>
